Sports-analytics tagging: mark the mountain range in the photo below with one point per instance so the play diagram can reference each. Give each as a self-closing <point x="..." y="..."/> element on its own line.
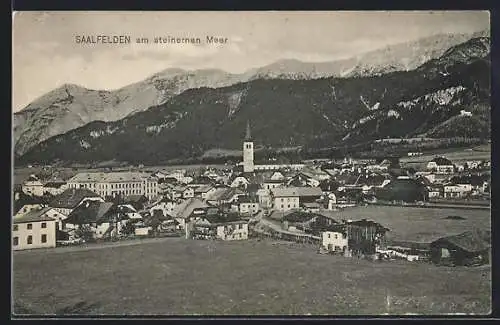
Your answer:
<point x="71" y="106"/>
<point x="287" y="112"/>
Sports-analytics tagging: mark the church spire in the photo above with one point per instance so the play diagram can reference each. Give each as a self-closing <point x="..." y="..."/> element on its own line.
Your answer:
<point x="248" y="135"/>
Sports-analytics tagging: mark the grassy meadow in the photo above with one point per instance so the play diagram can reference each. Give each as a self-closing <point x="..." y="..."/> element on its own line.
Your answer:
<point x="418" y="224"/>
<point x="176" y="276"/>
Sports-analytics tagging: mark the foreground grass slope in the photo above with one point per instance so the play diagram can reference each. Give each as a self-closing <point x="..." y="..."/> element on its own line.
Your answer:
<point x="177" y="276"/>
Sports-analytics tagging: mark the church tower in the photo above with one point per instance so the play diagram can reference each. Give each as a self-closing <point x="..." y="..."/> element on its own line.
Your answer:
<point x="248" y="166"/>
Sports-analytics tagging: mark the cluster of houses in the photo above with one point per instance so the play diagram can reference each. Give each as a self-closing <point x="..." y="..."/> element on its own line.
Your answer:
<point x="226" y="203"/>
<point x="444" y="179"/>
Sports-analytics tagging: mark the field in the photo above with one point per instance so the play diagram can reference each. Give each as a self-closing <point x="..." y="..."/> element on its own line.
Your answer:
<point x="418" y="224"/>
<point x="183" y="277"/>
<point x="453" y="154"/>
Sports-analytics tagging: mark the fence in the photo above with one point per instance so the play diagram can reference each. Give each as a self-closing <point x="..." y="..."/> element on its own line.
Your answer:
<point x="277" y="235"/>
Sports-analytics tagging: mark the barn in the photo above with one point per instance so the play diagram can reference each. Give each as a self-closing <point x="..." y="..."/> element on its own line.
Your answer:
<point x="466" y="249"/>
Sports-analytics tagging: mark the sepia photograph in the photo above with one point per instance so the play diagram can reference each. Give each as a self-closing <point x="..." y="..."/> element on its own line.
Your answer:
<point x="251" y="163"/>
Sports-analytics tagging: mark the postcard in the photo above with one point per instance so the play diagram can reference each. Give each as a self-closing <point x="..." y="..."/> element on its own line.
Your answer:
<point x="256" y="163"/>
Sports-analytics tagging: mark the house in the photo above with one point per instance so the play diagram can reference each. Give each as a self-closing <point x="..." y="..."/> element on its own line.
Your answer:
<point x="312" y="207"/>
<point x="277" y="176"/>
<point x="335" y="239"/>
<point x="35" y="229"/>
<point x="188" y="208"/>
<point x="136" y="200"/>
<point x="129" y="211"/>
<point x="457" y="190"/>
<point x="180" y="176"/>
<point x="206" y="179"/>
<point x="302" y="179"/>
<point x="269" y="184"/>
<point x="364" y="236"/>
<point x="441" y="165"/>
<point x="468" y="248"/>
<point x="328" y="186"/>
<point x="159" y="175"/>
<point x="239" y="181"/>
<point x="54" y="187"/>
<point x="284" y="199"/>
<point x="287" y="198"/>
<point x="309" y="194"/>
<point x="248" y="205"/>
<point x="465" y="113"/>
<point x="436" y="191"/>
<point x="165" y="205"/>
<point x="68" y="200"/>
<point x="33" y="186"/>
<point x="184" y="192"/>
<point x="224" y="195"/>
<point x="103" y="218"/>
<point x="204" y="191"/>
<point x="332" y="201"/>
<point x="24" y="203"/>
<point x="218" y="227"/>
<point x="264" y="196"/>
<point x="157" y="221"/>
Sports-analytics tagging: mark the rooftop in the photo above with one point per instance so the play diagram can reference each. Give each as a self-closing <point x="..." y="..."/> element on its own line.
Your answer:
<point x="296" y="191"/>
<point x="114" y="177"/>
<point x="71" y="197"/>
<point x="442" y="161"/>
<point x="186" y="208"/>
<point x="34" y="216"/>
<point x="90" y="212"/>
<point x="473" y="241"/>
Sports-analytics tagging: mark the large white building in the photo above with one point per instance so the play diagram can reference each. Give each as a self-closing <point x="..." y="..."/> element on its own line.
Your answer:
<point x="117" y="183"/>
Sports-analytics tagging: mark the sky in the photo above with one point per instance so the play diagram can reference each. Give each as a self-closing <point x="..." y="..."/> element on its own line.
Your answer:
<point x="46" y="55"/>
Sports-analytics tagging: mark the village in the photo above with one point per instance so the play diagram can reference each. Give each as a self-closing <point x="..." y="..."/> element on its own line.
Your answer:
<point x="285" y="202"/>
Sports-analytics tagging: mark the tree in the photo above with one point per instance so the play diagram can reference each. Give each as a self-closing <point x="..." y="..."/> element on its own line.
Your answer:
<point x="85" y="232"/>
<point x="128" y="228"/>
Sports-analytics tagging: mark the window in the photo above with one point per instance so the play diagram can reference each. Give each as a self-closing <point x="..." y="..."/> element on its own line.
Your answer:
<point x="15" y="228"/>
<point x="44" y="238"/>
<point x="29" y="226"/>
<point x="289" y="206"/>
<point x="336" y="237"/>
<point x="328" y="235"/>
<point x="282" y="206"/>
<point x="16" y="241"/>
<point x="44" y="225"/>
<point x="30" y="240"/>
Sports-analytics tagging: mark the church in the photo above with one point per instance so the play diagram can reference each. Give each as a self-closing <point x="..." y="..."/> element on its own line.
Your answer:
<point x="248" y="157"/>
